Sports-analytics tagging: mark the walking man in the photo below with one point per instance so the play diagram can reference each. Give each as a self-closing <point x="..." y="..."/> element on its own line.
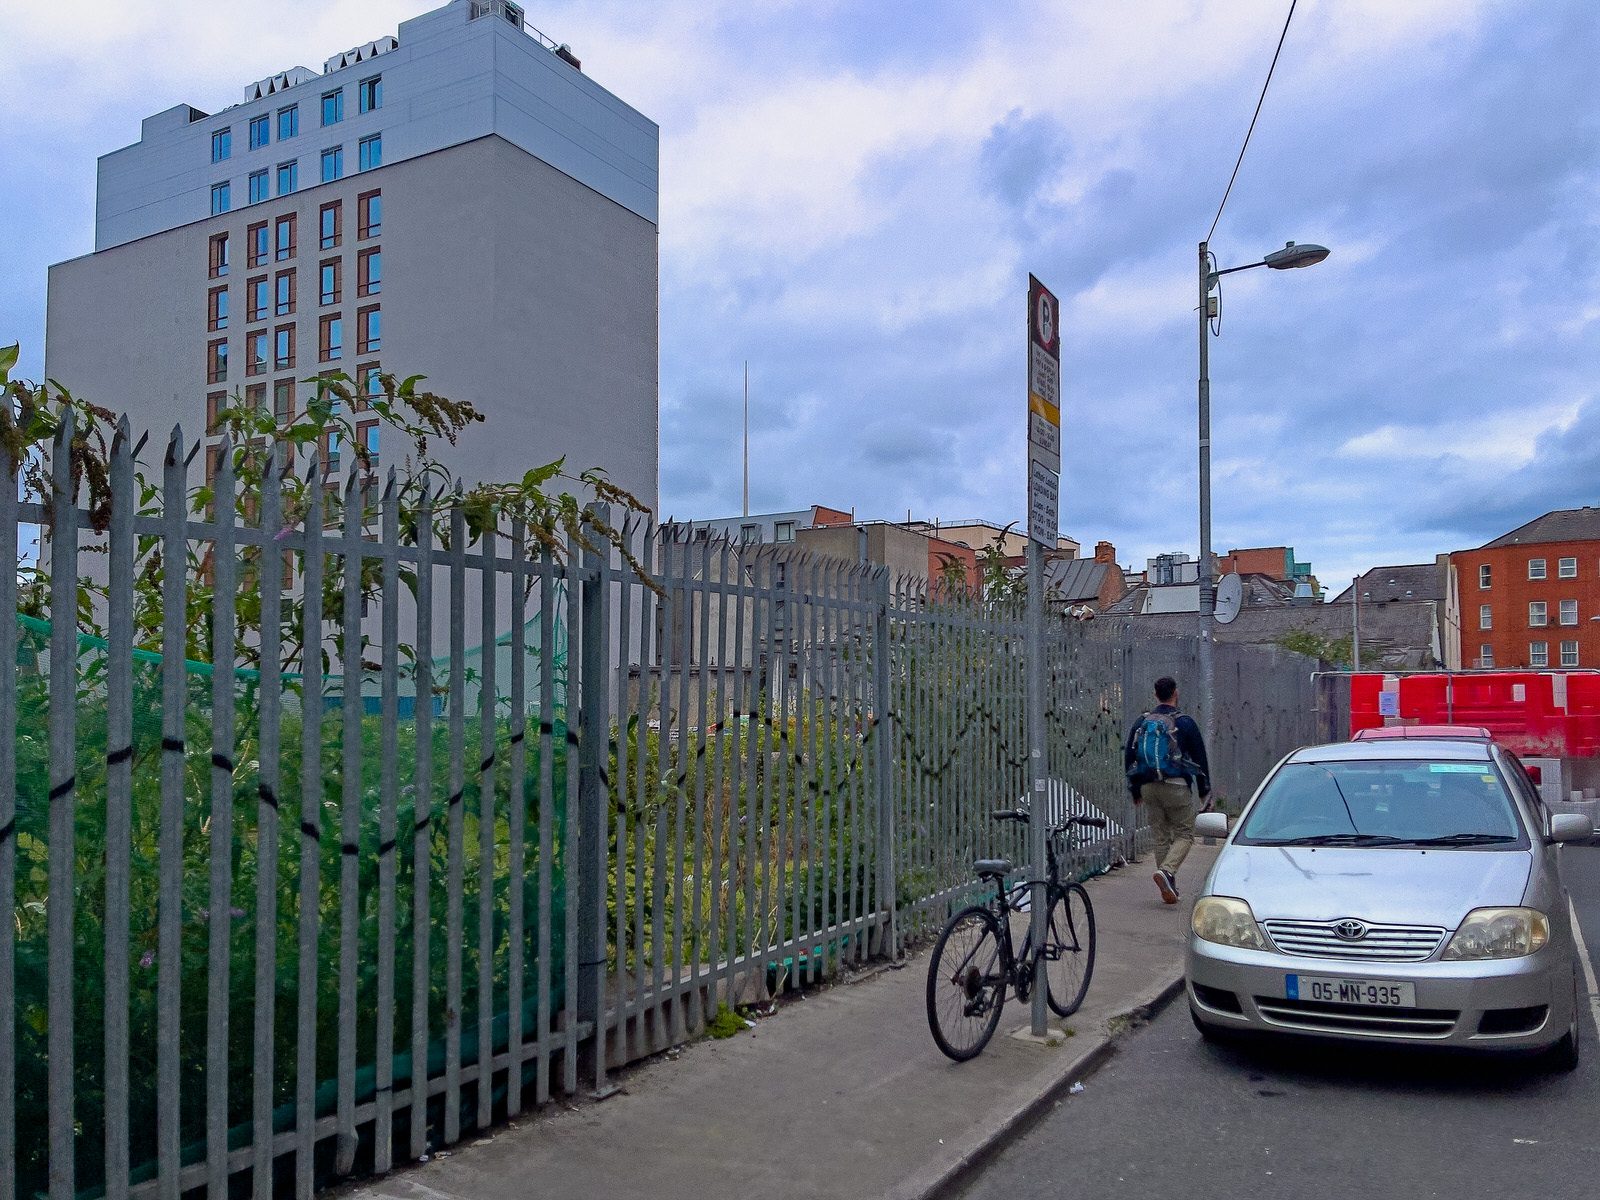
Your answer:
<point x="1166" y="763"/>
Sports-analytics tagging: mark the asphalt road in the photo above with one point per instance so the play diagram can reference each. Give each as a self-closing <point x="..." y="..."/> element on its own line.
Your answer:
<point x="1170" y="1117"/>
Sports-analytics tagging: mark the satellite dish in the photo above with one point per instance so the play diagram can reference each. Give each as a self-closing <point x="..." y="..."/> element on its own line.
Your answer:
<point x="1230" y="598"/>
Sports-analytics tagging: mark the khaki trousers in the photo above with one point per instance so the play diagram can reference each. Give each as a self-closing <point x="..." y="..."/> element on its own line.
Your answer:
<point x="1171" y="809"/>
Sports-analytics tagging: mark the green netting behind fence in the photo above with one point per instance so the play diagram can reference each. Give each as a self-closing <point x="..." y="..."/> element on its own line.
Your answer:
<point x="32" y="832"/>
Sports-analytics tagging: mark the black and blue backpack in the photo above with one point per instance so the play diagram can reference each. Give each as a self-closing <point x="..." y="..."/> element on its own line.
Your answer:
<point x="1155" y="747"/>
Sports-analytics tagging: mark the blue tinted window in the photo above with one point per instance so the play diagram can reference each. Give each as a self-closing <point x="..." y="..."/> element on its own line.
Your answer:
<point x="288" y="121"/>
<point x="260" y="132"/>
<point x="371" y="93"/>
<point x="221" y="144"/>
<point x="288" y="177"/>
<point x="258" y="186"/>
<point x="333" y="164"/>
<point x="333" y="107"/>
<point x="372" y="152"/>
<point x="221" y="198"/>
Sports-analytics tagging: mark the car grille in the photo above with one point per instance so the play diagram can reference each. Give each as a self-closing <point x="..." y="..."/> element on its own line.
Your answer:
<point x="1313" y="1017"/>
<point x="1382" y="943"/>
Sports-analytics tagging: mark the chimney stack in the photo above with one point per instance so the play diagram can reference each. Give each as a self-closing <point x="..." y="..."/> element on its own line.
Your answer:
<point x="1105" y="552"/>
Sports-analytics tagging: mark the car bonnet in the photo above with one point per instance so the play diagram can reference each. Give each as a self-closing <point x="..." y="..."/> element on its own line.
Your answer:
<point x="1390" y="886"/>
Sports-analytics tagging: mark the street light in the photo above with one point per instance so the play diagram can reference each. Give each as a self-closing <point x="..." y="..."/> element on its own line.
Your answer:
<point x="1290" y="257"/>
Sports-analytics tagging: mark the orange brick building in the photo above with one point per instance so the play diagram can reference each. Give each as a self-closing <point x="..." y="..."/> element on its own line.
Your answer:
<point x="1530" y="598"/>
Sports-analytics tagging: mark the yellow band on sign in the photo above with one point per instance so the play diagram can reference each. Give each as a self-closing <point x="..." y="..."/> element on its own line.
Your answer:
<point x="1050" y="412"/>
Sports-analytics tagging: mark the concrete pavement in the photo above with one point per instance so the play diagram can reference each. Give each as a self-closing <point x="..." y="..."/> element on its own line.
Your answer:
<point x="841" y="1094"/>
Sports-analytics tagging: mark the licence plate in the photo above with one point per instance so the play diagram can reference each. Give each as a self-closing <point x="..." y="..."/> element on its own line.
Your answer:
<point x="1329" y="990"/>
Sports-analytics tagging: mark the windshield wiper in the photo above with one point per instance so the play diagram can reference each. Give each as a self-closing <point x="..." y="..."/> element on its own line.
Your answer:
<point x="1462" y="839"/>
<point x="1334" y="839"/>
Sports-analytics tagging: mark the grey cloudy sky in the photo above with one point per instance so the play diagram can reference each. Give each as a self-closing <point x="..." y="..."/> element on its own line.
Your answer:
<point x="853" y="195"/>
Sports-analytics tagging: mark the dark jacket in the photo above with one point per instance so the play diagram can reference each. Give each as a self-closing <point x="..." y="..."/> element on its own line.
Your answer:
<point x="1190" y="744"/>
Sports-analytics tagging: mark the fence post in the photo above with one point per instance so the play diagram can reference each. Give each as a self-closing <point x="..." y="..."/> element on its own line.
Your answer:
<point x="594" y="723"/>
<point x="883" y="768"/>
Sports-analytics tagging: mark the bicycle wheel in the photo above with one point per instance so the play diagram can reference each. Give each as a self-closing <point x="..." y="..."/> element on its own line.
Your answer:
<point x="966" y="983"/>
<point x="1069" y="950"/>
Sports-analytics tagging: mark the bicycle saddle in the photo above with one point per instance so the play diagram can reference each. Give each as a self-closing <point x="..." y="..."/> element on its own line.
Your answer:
<point x="985" y="867"/>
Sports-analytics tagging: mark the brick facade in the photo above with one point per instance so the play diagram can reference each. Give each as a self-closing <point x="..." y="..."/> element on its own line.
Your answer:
<point x="1513" y="636"/>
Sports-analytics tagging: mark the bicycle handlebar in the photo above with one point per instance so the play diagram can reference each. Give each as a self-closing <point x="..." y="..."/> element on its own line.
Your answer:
<point x="1017" y="814"/>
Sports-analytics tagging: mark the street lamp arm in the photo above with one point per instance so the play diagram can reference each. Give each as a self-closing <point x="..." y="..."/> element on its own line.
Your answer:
<point x="1231" y="270"/>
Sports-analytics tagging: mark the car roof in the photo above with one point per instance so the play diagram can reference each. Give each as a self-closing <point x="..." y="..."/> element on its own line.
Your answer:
<point x="1413" y="732"/>
<point x="1402" y="749"/>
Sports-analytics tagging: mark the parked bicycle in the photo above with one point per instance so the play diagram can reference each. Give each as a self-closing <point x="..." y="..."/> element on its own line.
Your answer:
<point x="974" y="960"/>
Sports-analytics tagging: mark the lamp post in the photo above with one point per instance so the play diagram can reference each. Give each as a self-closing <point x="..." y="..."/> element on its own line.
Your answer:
<point x="1279" y="260"/>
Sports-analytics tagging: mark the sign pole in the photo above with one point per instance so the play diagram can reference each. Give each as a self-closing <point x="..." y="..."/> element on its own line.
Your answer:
<point x="1044" y="503"/>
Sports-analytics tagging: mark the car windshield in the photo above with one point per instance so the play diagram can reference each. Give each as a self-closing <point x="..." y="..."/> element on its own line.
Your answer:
<point x="1384" y="803"/>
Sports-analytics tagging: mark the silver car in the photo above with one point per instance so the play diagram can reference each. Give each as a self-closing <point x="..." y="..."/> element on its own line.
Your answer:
<point x="1393" y="892"/>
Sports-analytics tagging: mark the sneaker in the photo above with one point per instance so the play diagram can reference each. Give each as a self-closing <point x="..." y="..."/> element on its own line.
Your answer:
<point x="1167" y="886"/>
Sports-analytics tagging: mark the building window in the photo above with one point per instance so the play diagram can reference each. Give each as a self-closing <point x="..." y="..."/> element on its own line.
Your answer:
<point x="328" y="293"/>
<point x="1566" y="568"/>
<point x="260" y="131"/>
<point x="370" y="152"/>
<point x="217" y="361"/>
<point x="369" y="385"/>
<point x="255" y="399"/>
<point x="221" y="144"/>
<point x="1485" y="577"/>
<point x="371" y="91"/>
<point x="330" y="339"/>
<point x="288" y="122"/>
<point x="1538" y="613"/>
<point x="218" y="256"/>
<point x="285" y="238"/>
<point x="288" y="177"/>
<point x="258" y="243"/>
<point x="283" y="348"/>
<point x="330" y="451"/>
<point x="221" y="197"/>
<point x="215" y="403"/>
<point x="367" y="431"/>
<point x="1486" y="656"/>
<point x="1485" y="617"/>
<point x="217" y="309"/>
<point x="333" y="107"/>
<point x="1538" y="654"/>
<point x="255" y="353"/>
<point x="283" y="401"/>
<point x="330" y="225"/>
<point x="369" y="272"/>
<point x="784" y="532"/>
<point x="259" y="188"/>
<point x="332" y="164"/>
<point x="1569" y="612"/>
<point x="256" y="299"/>
<point x="283" y="294"/>
<point x="369" y="324"/>
<point x="1569" y="654"/>
<point x="369" y="215"/>
<point x="749" y="535"/>
<point x="1536" y="568"/>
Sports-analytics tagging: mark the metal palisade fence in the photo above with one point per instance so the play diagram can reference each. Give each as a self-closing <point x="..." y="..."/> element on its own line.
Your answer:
<point x="322" y="856"/>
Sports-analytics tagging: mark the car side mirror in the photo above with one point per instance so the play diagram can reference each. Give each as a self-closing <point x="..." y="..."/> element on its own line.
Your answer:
<point x="1211" y="824"/>
<point x="1564" y="827"/>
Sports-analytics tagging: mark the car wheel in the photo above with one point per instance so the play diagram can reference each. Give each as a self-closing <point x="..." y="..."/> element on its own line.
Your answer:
<point x="1210" y="1033"/>
<point x="1564" y="1055"/>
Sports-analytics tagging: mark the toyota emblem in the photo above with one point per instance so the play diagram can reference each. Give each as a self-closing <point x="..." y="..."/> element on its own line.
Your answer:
<point x="1350" y="930"/>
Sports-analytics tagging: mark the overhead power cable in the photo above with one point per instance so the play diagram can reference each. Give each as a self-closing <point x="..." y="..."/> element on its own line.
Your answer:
<point x="1253" y="117"/>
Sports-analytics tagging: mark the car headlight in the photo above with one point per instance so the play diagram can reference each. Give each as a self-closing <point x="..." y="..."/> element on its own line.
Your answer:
<point x="1227" y="922"/>
<point x="1499" y="933"/>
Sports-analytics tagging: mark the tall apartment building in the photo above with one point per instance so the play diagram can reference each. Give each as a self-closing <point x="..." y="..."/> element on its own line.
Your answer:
<point x="460" y="202"/>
